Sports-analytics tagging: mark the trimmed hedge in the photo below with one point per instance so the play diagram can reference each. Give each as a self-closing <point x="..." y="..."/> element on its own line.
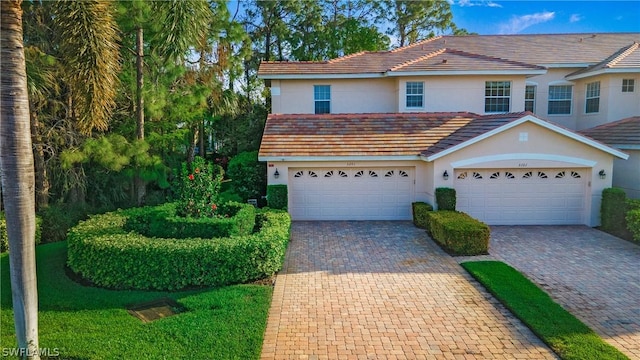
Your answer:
<point x="102" y="251"/>
<point x="616" y="216"/>
<point x="633" y="224"/>
<point x="446" y="198"/>
<point x="162" y="222"/>
<point x="458" y="233"/>
<point x="277" y="197"/>
<point x="420" y="210"/>
<point x="4" y="237"/>
<point x="613" y="209"/>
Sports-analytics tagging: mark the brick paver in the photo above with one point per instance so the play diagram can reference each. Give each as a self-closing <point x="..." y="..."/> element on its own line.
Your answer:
<point x="593" y="275"/>
<point x="383" y="290"/>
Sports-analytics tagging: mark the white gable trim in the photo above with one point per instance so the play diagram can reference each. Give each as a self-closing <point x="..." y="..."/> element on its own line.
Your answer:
<point x="603" y="71"/>
<point x="465" y="72"/>
<point x="339" y="158"/>
<point x="320" y="76"/>
<point x="535" y="120"/>
<point x="524" y="156"/>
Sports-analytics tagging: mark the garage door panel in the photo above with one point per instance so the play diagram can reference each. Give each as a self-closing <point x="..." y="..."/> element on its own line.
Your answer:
<point x="522" y="196"/>
<point x="351" y="194"/>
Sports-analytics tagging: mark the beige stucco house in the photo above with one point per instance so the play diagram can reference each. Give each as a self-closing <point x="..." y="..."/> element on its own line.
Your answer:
<point x="362" y="136"/>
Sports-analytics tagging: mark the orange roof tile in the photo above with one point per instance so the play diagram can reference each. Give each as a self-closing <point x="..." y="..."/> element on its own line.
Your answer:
<point x="397" y="134"/>
<point x="617" y="133"/>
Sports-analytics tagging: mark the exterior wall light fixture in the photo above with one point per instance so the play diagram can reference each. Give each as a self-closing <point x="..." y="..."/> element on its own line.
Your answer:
<point x="602" y="174"/>
<point x="445" y="175"/>
<point x="276" y="174"/>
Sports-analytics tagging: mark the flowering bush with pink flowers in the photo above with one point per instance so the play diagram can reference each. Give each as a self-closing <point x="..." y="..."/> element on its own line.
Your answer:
<point x="197" y="187"/>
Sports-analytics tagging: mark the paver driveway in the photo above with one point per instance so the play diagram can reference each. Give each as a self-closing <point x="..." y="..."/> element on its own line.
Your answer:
<point x="592" y="274"/>
<point x="383" y="290"/>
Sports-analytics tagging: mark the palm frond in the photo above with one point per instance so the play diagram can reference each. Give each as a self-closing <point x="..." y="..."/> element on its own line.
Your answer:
<point x="186" y="24"/>
<point x="89" y="46"/>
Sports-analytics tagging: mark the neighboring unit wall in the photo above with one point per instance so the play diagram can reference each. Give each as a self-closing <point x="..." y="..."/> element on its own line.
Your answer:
<point x="370" y="95"/>
<point x="623" y="104"/>
<point x="626" y="174"/>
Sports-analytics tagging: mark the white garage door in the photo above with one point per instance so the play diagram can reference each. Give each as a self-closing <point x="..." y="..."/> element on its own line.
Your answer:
<point x="351" y="194"/>
<point x="522" y="196"/>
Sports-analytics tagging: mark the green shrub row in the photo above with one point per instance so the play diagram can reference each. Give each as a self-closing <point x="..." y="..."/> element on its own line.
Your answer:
<point x="4" y="237"/>
<point x="458" y="233"/>
<point x="277" y="196"/>
<point x="613" y="209"/>
<point x="102" y="251"/>
<point x="420" y="210"/>
<point x="633" y="224"/>
<point x="617" y="214"/>
<point x="446" y="198"/>
<point x="162" y="222"/>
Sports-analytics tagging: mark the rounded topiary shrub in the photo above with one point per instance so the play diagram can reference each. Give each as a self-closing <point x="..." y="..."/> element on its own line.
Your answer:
<point x="102" y="251"/>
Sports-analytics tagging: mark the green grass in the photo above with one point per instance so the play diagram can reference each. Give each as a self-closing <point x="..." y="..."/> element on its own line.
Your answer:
<point x="92" y="323"/>
<point x="563" y="332"/>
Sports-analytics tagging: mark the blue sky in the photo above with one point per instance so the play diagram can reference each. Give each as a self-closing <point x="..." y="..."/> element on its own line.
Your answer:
<point x="532" y="17"/>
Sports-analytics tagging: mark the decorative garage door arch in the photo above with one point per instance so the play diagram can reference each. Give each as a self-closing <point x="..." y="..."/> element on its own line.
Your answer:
<point x="541" y="196"/>
<point x="363" y="193"/>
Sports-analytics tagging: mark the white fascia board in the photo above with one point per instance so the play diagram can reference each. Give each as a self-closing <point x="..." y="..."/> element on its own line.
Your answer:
<point x="566" y="65"/>
<point x="320" y="76"/>
<point x="536" y="121"/>
<point x="339" y="158"/>
<point x="466" y="72"/>
<point x="626" y="146"/>
<point x="604" y="71"/>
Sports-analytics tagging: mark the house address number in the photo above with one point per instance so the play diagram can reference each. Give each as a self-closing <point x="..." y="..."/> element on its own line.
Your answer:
<point x="522" y="164"/>
<point x="351" y="163"/>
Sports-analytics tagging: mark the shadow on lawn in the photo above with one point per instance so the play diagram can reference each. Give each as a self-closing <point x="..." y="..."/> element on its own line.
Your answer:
<point x="58" y="292"/>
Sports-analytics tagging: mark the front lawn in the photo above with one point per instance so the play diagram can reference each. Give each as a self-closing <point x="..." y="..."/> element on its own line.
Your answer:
<point x="564" y="333"/>
<point x="92" y="323"/>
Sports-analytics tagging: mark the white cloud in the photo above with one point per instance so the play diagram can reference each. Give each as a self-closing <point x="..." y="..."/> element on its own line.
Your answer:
<point x="575" y="18"/>
<point x="469" y="3"/>
<point x="519" y="23"/>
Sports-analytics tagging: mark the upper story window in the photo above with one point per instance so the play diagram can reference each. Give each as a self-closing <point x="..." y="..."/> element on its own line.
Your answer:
<point x="322" y="99"/>
<point x="592" y="104"/>
<point x="415" y="94"/>
<point x="497" y="96"/>
<point x="628" y="85"/>
<point x="530" y="98"/>
<point x="560" y="97"/>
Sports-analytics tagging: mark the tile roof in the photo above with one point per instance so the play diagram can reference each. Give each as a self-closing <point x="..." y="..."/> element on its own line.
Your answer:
<point x="617" y="133"/>
<point x="627" y="58"/>
<point x="456" y="60"/>
<point x="396" y="134"/>
<point x="498" y="50"/>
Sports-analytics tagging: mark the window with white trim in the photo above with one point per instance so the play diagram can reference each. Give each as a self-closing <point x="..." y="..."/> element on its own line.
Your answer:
<point x="415" y="94"/>
<point x="497" y="96"/>
<point x="322" y="99"/>
<point x="592" y="103"/>
<point x="530" y="98"/>
<point x="628" y="85"/>
<point x="560" y="98"/>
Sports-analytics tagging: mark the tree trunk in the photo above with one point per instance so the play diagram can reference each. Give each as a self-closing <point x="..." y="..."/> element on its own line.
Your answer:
<point x="201" y="144"/>
<point x="42" y="178"/>
<point x="16" y="163"/>
<point x="140" y="184"/>
<point x="139" y="83"/>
